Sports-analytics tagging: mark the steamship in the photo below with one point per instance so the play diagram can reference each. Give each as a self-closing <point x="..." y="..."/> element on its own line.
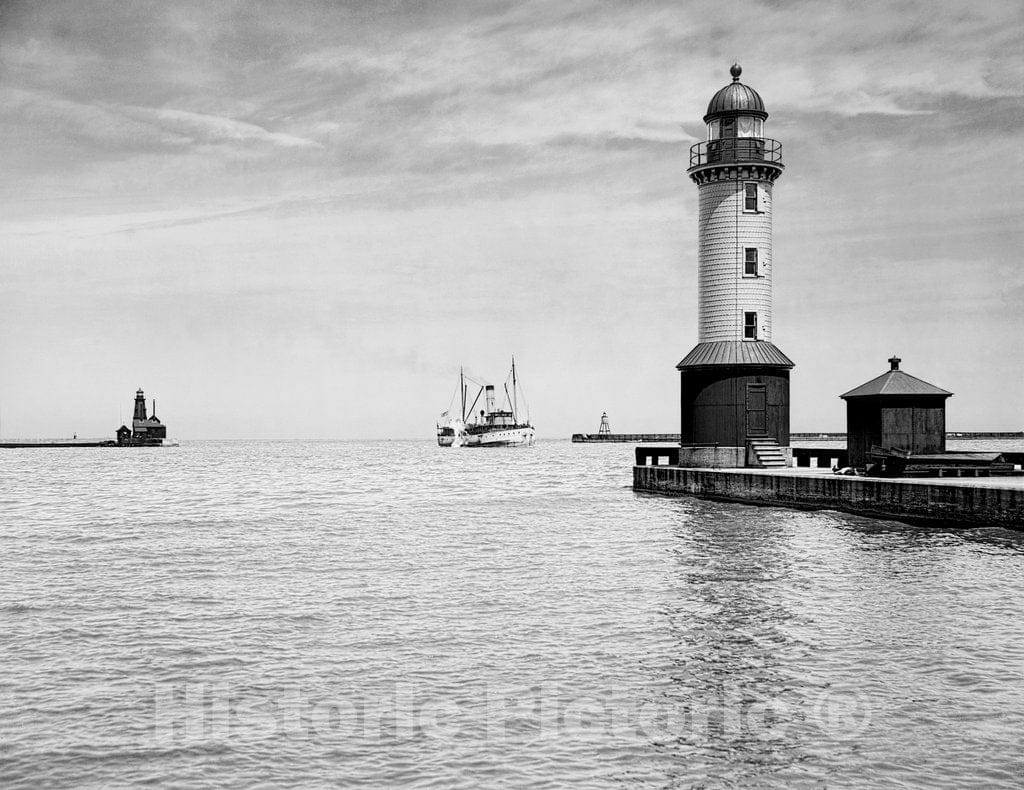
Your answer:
<point x="490" y="427"/>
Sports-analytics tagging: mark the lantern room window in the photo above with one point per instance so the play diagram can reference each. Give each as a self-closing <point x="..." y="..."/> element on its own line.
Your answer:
<point x="750" y="326"/>
<point x="741" y="126"/>
<point x="748" y="127"/>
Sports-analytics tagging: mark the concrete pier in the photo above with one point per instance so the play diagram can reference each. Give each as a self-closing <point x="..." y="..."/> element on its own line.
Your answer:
<point x="625" y="437"/>
<point x="967" y="502"/>
<point x="58" y="443"/>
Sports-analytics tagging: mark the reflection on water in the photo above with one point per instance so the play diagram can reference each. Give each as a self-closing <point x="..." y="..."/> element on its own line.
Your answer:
<point x="733" y="637"/>
<point x="395" y="614"/>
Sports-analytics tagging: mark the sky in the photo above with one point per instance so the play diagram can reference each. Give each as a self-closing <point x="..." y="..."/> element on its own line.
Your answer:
<point x="298" y="219"/>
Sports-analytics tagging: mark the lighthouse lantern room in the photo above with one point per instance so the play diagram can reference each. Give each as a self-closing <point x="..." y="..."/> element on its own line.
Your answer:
<point x="735" y="382"/>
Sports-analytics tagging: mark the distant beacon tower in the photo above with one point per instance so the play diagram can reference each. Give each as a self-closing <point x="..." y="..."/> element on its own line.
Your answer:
<point x="140" y="405"/>
<point x="605" y="429"/>
<point x="145" y="430"/>
<point x="735" y="383"/>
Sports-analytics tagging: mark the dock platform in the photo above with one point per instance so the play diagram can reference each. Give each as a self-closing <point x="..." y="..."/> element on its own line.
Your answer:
<point x="960" y="501"/>
<point x="626" y="437"/>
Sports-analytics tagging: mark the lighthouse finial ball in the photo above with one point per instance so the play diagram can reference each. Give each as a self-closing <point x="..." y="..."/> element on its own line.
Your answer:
<point x="735" y="71"/>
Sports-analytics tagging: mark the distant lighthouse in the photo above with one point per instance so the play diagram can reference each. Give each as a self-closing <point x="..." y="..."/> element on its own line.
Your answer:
<point x="145" y="430"/>
<point x="140" y="406"/>
<point x="735" y="382"/>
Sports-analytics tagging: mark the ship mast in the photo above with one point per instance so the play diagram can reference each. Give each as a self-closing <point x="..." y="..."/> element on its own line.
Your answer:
<point x="462" y="389"/>
<point x="515" y="409"/>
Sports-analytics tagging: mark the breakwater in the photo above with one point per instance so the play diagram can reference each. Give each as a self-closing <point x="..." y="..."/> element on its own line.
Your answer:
<point x="58" y="443"/>
<point x="820" y="436"/>
<point x="841" y="436"/>
<point x="626" y="437"/>
<point x="964" y="502"/>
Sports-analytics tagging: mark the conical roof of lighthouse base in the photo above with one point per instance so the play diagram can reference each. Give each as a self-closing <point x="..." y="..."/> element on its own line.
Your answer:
<point x="735" y="352"/>
<point x="895" y="382"/>
<point x="736" y="99"/>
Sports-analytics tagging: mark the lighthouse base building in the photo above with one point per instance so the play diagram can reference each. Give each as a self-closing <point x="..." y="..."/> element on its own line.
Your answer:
<point x="734" y="405"/>
<point x="735" y="382"/>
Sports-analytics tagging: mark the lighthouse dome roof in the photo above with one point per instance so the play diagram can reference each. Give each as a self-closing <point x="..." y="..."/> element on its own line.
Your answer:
<point x="736" y="99"/>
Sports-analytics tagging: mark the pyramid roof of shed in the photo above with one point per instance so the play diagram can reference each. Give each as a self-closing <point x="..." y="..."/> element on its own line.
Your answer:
<point x="895" y="382"/>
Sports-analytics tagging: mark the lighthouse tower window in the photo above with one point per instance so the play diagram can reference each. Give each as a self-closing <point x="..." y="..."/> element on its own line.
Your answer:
<point x="750" y="326"/>
<point x="750" y="196"/>
<point x="750" y="262"/>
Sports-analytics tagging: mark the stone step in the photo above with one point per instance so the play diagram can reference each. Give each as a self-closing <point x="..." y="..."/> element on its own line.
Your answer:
<point x="768" y="454"/>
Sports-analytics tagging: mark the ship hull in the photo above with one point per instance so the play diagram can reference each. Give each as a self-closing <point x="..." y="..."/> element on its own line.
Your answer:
<point x="503" y="437"/>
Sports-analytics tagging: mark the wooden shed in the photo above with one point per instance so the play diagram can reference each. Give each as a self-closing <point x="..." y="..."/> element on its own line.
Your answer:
<point x="895" y="410"/>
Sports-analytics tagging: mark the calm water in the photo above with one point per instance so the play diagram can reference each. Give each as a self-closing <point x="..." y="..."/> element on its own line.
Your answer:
<point x="391" y="614"/>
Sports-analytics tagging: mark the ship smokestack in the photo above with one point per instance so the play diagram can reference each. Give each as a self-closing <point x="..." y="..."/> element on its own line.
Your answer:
<point x="489" y="396"/>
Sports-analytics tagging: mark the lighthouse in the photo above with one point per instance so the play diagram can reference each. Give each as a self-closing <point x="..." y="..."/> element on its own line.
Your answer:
<point x="735" y="382"/>
<point x="140" y="407"/>
<point x="145" y="430"/>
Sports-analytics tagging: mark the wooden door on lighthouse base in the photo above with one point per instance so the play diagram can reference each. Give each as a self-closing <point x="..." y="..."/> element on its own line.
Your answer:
<point x="757" y="410"/>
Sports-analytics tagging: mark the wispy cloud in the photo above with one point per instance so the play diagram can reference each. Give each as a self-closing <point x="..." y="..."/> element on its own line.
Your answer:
<point x="135" y="126"/>
<point x="212" y="128"/>
<point x="101" y="123"/>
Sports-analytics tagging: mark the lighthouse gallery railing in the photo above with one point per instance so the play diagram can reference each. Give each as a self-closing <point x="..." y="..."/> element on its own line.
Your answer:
<point x="736" y="149"/>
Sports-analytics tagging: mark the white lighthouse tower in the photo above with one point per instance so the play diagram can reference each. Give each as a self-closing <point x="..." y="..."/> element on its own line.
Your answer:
<point x="735" y="382"/>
